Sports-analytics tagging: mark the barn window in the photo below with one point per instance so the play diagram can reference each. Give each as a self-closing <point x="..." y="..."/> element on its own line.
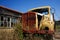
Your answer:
<point x="7" y="21"/>
<point x="13" y="21"/>
<point x="1" y="20"/>
<point x="4" y="21"/>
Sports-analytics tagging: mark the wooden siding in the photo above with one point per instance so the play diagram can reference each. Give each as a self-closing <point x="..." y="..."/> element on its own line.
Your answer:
<point x="9" y="13"/>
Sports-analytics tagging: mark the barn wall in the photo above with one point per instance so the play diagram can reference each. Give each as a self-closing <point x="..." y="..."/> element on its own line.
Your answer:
<point x="8" y="12"/>
<point x="11" y="15"/>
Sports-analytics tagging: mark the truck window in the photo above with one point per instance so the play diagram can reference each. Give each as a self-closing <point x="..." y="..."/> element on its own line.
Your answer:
<point x="42" y="11"/>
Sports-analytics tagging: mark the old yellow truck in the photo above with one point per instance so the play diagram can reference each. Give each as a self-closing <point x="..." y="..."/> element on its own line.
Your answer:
<point x="39" y="21"/>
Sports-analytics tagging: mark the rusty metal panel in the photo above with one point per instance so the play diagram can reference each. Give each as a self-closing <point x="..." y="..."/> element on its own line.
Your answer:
<point x="29" y="21"/>
<point x="24" y="21"/>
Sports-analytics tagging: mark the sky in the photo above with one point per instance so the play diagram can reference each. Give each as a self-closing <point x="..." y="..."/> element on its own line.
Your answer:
<point x="25" y="5"/>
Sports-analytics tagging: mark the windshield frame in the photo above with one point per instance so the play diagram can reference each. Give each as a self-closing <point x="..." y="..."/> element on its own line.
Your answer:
<point x="43" y="7"/>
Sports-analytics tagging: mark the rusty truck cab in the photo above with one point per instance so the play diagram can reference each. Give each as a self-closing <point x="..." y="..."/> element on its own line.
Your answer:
<point x="38" y="20"/>
<point x="44" y="19"/>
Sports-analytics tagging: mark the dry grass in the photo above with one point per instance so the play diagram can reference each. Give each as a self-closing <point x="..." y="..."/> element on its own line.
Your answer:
<point x="8" y="34"/>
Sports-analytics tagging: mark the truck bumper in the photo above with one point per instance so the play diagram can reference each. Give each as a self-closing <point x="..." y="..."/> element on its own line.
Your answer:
<point x="39" y="31"/>
<point x="45" y="32"/>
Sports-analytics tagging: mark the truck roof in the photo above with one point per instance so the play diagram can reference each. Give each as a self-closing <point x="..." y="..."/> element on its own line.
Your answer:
<point x="39" y="8"/>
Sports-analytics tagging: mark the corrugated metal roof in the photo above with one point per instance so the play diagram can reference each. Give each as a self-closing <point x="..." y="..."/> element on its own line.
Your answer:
<point x="11" y="10"/>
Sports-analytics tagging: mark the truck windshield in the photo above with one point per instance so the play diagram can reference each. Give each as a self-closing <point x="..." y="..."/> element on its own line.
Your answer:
<point x="42" y="11"/>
